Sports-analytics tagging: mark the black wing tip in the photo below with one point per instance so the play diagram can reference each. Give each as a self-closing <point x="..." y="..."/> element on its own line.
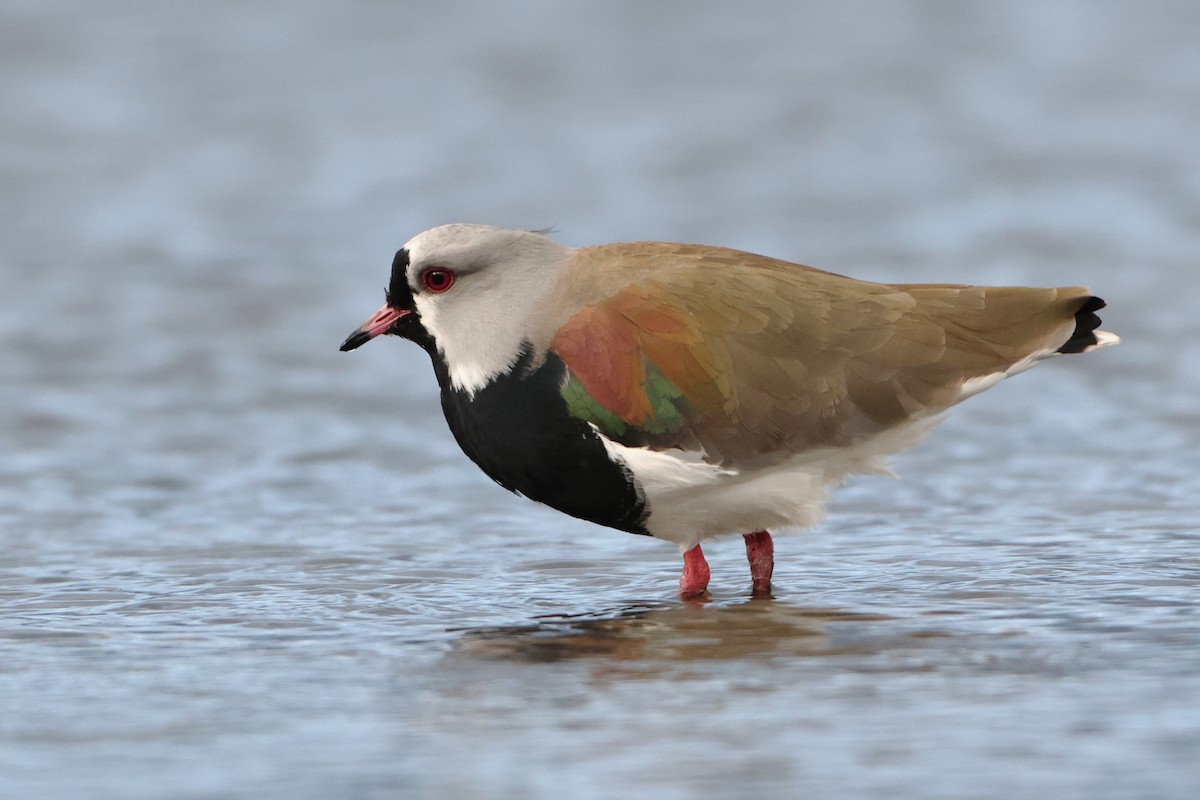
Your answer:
<point x="1086" y="323"/>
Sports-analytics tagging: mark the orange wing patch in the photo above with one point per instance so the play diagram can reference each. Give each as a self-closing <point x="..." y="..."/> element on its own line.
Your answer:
<point x="602" y="350"/>
<point x="611" y="347"/>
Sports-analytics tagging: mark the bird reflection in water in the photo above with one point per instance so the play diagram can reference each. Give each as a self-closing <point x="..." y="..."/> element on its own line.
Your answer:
<point x="691" y="633"/>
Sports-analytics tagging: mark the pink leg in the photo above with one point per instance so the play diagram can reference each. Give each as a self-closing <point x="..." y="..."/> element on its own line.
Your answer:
<point x="693" y="582"/>
<point x="760" y="552"/>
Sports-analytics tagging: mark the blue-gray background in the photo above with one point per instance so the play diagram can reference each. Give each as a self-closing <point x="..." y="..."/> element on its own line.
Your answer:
<point x="236" y="563"/>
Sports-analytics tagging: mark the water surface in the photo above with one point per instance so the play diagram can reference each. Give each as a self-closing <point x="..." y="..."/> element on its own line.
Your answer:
<point x="237" y="563"/>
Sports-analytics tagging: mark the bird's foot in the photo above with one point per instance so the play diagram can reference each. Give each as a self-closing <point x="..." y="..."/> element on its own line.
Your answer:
<point x="760" y="552"/>
<point x="693" y="583"/>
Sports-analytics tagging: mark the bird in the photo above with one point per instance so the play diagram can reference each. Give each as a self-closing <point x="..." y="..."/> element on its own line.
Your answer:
<point x="688" y="392"/>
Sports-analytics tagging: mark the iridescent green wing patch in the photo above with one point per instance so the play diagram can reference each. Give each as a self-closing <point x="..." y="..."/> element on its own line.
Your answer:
<point x="582" y="405"/>
<point x="666" y="405"/>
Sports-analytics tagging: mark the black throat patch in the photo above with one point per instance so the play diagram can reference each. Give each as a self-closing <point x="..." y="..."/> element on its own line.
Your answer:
<point x="518" y="431"/>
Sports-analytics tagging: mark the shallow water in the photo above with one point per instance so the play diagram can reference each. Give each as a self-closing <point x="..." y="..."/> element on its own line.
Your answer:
<point x="236" y="563"/>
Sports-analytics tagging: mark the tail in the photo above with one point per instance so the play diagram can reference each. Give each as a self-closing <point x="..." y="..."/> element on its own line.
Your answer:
<point x="1086" y="335"/>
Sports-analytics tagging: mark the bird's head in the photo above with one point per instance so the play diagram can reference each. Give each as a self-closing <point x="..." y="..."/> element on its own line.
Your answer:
<point x="469" y="294"/>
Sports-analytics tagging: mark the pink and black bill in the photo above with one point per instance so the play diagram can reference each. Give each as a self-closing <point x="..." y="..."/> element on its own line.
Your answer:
<point x="380" y="322"/>
<point x="398" y="315"/>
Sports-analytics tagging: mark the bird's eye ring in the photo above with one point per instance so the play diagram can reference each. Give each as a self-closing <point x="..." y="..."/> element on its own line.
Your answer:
<point x="437" y="279"/>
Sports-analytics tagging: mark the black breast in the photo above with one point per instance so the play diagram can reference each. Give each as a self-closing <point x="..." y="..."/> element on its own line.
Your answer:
<point x="518" y="431"/>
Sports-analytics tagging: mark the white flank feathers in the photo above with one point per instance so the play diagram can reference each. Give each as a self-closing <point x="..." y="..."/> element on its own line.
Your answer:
<point x="690" y="500"/>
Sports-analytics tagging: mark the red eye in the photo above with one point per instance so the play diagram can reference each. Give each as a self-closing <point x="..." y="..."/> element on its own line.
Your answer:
<point x="437" y="279"/>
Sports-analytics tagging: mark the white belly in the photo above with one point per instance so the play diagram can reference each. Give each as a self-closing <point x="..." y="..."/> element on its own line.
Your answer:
<point x="690" y="500"/>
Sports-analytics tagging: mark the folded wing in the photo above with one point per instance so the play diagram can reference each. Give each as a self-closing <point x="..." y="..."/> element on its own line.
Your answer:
<point x="740" y="357"/>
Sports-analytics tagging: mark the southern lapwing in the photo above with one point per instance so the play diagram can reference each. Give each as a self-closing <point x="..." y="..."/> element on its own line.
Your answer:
<point x="688" y="392"/>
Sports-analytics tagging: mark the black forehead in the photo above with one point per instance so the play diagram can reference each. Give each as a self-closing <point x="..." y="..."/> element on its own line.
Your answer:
<point x="400" y="265"/>
<point x="399" y="294"/>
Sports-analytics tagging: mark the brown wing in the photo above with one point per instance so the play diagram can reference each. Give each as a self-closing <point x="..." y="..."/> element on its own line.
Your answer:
<point x="742" y="355"/>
